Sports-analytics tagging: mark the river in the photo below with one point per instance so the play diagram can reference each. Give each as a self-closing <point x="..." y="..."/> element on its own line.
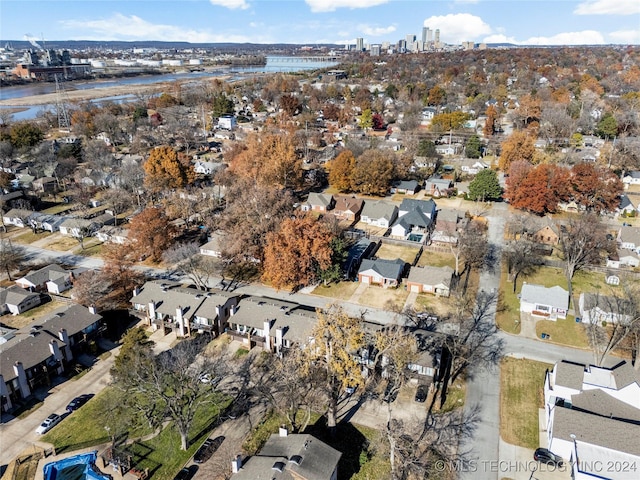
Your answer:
<point x="274" y="64"/>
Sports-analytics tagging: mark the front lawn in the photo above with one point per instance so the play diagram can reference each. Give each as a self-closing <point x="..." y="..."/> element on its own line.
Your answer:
<point x="508" y="314"/>
<point x="340" y="290"/>
<point x="436" y="259"/>
<point x="564" y="332"/>
<point x="387" y="298"/>
<point x="62" y="244"/>
<point x="521" y="397"/>
<point x="29" y="237"/>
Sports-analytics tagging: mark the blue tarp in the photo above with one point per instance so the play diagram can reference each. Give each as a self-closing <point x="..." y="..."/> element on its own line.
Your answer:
<point x="78" y="467"/>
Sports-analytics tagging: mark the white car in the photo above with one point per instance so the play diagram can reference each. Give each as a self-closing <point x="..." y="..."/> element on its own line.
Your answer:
<point x="49" y="422"/>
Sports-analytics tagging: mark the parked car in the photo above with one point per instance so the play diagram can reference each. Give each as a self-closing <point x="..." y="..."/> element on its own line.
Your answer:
<point x="184" y="474"/>
<point x="77" y="402"/>
<point x="207" y="449"/>
<point x="421" y="394"/>
<point x="543" y="455"/>
<point x="49" y="422"/>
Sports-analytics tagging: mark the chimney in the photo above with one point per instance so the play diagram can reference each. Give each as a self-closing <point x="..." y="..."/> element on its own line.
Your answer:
<point x="136" y="291"/>
<point x="236" y="464"/>
<point x="234" y="309"/>
<point x="283" y="431"/>
<point x="64" y="336"/>
<point x="279" y="335"/>
<point x="92" y="309"/>
<point x="267" y="335"/>
<point x="180" y="320"/>
<point x="18" y="369"/>
<point x="152" y="310"/>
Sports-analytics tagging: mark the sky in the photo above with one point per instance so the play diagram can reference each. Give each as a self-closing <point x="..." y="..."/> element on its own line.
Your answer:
<point x="310" y="22"/>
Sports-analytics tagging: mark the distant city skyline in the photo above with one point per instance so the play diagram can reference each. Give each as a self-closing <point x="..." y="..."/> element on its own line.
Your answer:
<point x="309" y="22"/>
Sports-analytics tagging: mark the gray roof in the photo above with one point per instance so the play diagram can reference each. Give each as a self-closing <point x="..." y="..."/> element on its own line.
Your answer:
<point x="315" y="459"/>
<point x="601" y="403"/>
<point x="45" y="274"/>
<point x="385" y="268"/>
<point x="625" y="374"/>
<point x="19" y="213"/>
<point x="555" y="296"/>
<point x="634" y="174"/>
<point x="15" y="295"/>
<point x="379" y="209"/>
<point x="569" y="374"/>
<point x="596" y="430"/>
<point x="406" y="185"/>
<point x="608" y="304"/>
<point x="625" y="202"/>
<point x="30" y="345"/>
<point x="319" y="199"/>
<point x="414" y="218"/>
<point x="448" y="215"/>
<point x="426" y="206"/>
<point x="630" y="235"/>
<point x="431" y="275"/>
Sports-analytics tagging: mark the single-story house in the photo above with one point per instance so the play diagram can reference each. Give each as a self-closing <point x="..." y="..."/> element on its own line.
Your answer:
<point x="624" y="258"/>
<point x="410" y="187"/>
<point x="45" y="222"/>
<point x="52" y="278"/>
<point x="629" y="238"/>
<point x="632" y="178"/>
<point x="600" y="308"/>
<point x="318" y="202"/>
<point x="382" y="272"/>
<point x="111" y="234"/>
<point x="45" y="184"/>
<point x="18" y="217"/>
<point x="78" y="227"/>
<point x="356" y="253"/>
<point x="348" y="208"/>
<point x="546" y="302"/>
<point x="436" y="280"/>
<point x="473" y="168"/>
<point x="206" y="168"/>
<point x="446" y="228"/>
<point x="547" y="235"/>
<point x="16" y="300"/>
<point x="626" y="206"/>
<point x="436" y="186"/>
<point x="212" y="248"/>
<point x="379" y="213"/>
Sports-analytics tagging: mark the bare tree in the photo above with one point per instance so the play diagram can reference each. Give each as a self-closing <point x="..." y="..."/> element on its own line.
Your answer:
<point x="186" y="257"/>
<point x="582" y="240"/>
<point x="11" y="256"/>
<point x="92" y="288"/>
<point x="522" y="259"/>
<point x="119" y="201"/>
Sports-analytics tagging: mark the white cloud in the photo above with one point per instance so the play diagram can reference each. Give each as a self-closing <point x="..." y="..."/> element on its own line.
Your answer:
<point x="332" y="5"/>
<point x="458" y="27"/>
<point x="608" y="7"/>
<point x="232" y="4"/>
<point x="586" y="37"/>
<point x="626" y="36"/>
<point x="131" y="28"/>
<point x="376" y="31"/>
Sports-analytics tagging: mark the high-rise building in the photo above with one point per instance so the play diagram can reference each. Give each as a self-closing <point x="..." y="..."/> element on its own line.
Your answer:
<point x="429" y="35"/>
<point x="374" y="50"/>
<point x="359" y="44"/>
<point x="424" y="34"/>
<point x="402" y="46"/>
<point x="410" y="39"/>
<point x="437" y="39"/>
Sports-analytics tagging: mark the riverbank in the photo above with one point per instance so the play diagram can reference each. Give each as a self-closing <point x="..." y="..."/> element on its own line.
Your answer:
<point x="91" y="94"/>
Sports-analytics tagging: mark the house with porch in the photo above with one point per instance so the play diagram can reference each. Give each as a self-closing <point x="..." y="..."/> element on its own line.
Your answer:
<point x="626" y="207"/>
<point x="386" y="273"/>
<point x="549" y="303"/>
<point x="33" y="355"/>
<point x="347" y="208"/>
<point x="18" y="217"/>
<point x="629" y="238"/>
<point x="435" y="280"/>
<point x="52" y="278"/>
<point x="16" y="300"/>
<point x="415" y="220"/>
<point x="592" y="418"/>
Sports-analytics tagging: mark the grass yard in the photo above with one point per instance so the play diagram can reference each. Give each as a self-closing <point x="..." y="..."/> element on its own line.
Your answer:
<point x="391" y="252"/>
<point x="508" y="315"/>
<point x="436" y="259"/>
<point x="564" y="332"/>
<point x="92" y="248"/>
<point x="62" y="244"/>
<point x="521" y="396"/>
<point x="25" y="318"/>
<point x="340" y="290"/>
<point x="28" y="237"/>
<point x="456" y="396"/>
<point x="379" y="297"/>
<point x="57" y="209"/>
<point x="430" y="303"/>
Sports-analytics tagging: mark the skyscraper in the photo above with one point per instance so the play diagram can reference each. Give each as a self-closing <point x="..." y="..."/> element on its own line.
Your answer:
<point x="359" y="44"/>
<point x="429" y="35"/>
<point x="424" y="34"/>
<point x="437" y="39"/>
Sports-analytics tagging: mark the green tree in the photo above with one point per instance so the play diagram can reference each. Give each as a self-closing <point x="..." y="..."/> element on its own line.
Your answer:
<point x="339" y="254"/>
<point x="607" y="126"/>
<point x="25" y="135"/>
<point x="426" y="148"/>
<point x="221" y="105"/>
<point x="485" y="186"/>
<point x="473" y="148"/>
<point x="366" y="119"/>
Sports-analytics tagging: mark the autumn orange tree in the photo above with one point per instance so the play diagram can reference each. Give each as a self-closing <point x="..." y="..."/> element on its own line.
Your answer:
<point x="537" y="189"/>
<point x="150" y="233"/>
<point x="489" y="128"/>
<point x="595" y="188"/>
<point x="296" y="253"/>
<point x="449" y="121"/>
<point x="269" y="159"/>
<point x="166" y="169"/>
<point x="341" y="170"/>
<point x="519" y="146"/>
<point x="373" y="173"/>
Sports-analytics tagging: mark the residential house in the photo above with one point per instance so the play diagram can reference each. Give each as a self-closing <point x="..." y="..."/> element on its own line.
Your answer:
<point x="629" y="238"/>
<point x="473" y="167"/>
<point x="626" y="207"/>
<point x="273" y="325"/>
<point x="18" y="217"/>
<point x="409" y="187"/>
<point x="548" y="235"/>
<point x="206" y="168"/>
<point x="602" y="309"/>
<point x="169" y="306"/>
<point x="213" y="247"/>
<point x="45" y="184"/>
<point x="592" y="418"/>
<point x="428" y="113"/>
<point x="436" y="186"/>
<point x="356" y="253"/>
<point x="45" y="222"/>
<point x="436" y="280"/>
<point x="318" y="202"/>
<point x="33" y="355"/>
<point x="445" y="232"/>
<point x="379" y="213"/>
<point x="16" y="300"/>
<point x="111" y="234"/>
<point x="415" y="220"/>
<point x="447" y="149"/>
<point x="52" y="278"/>
<point x="381" y="272"/>
<point x="348" y="208"/>
<point x="632" y="178"/>
<point x="624" y="258"/>
<point x="78" y="227"/>
<point x="546" y="302"/>
<point x="288" y="456"/>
